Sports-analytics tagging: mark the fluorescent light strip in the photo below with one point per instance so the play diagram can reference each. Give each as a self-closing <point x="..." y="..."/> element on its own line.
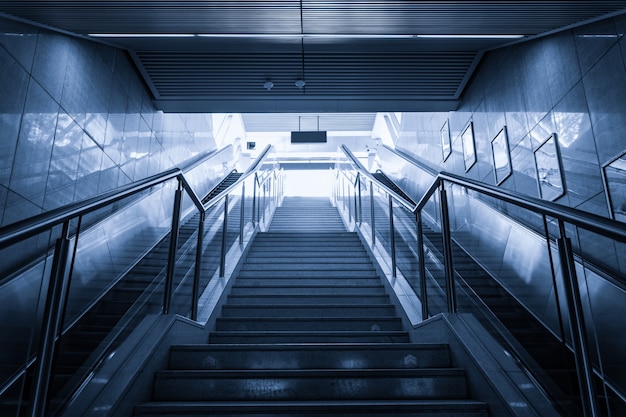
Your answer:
<point x="295" y="36"/>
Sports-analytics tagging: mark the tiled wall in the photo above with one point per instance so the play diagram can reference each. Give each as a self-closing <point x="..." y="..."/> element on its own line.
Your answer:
<point x="572" y="84"/>
<point x="76" y="120"/>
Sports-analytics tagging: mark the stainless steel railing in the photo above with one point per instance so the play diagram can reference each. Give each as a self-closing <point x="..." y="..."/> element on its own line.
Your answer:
<point x="572" y="310"/>
<point x="59" y="281"/>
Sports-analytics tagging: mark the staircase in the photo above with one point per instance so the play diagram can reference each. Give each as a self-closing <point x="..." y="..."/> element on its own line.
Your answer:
<point x="308" y="329"/>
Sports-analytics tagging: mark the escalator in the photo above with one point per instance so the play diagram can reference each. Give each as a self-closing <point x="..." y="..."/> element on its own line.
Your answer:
<point x="545" y="355"/>
<point x="105" y="319"/>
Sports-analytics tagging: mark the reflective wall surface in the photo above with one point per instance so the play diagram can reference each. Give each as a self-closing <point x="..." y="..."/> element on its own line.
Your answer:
<point x="572" y="84"/>
<point x="75" y="120"/>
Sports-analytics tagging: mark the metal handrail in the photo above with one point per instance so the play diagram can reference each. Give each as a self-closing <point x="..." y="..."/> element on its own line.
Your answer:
<point x="593" y="222"/>
<point x="33" y="225"/>
<point x="251" y="170"/>
<point x="363" y="171"/>
<point x="562" y="214"/>
<point x="58" y="276"/>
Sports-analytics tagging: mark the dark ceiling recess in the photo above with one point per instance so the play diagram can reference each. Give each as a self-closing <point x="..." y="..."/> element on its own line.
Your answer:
<point x="217" y="56"/>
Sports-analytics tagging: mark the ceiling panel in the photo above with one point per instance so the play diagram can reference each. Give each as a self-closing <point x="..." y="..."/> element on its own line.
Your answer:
<point x="363" y="56"/>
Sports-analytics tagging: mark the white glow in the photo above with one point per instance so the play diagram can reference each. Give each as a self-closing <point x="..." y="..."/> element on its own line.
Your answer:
<point x="307" y="183"/>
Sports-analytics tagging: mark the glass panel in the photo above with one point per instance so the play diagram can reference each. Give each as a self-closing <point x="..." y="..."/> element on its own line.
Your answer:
<point x="603" y="291"/>
<point x="119" y="268"/>
<point x="406" y="245"/>
<point x="204" y="177"/>
<point x="22" y="301"/>
<point x="504" y="276"/>
<point x="615" y="179"/>
<point x="433" y="258"/>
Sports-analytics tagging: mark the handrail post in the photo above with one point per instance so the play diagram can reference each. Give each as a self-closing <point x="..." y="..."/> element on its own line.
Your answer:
<point x="372" y="213"/>
<point x="196" y="272"/>
<point x="171" y="257"/>
<point x="584" y="369"/>
<point x="360" y="201"/>
<point x="447" y="250"/>
<point x="254" y="200"/>
<point x="50" y="325"/>
<point x="224" y="232"/>
<point x="356" y="212"/>
<point x="264" y="201"/>
<point x="392" y="238"/>
<point x="242" y="217"/>
<point x="422" y="264"/>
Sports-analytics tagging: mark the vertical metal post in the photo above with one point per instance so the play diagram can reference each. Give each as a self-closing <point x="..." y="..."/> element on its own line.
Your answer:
<point x="264" y="201"/>
<point x="356" y="213"/>
<point x="372" y="213"/>
<point x="254" y="201"/>
<point x="360" y="200"/>
<point x="392" y="238"/>
<point x="349" y="202"/>
<point x="196" y="272"/>
<point x="584" y="369"/>
<point x="422" y="265"/>
<point x="224" y="232"/>
<point x="447" y="250"/>
<point x="171" y="257"/>
<point x="242" y="217"/>
<point x="50" y="325"/>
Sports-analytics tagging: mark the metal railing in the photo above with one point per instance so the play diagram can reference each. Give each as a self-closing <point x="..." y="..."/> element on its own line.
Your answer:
<point x="573" y="309"/>
<point x="59" y="282"/>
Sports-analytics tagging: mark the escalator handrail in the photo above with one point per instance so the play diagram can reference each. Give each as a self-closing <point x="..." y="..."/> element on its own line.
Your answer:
<point x="37" y="224"/>
<point x="589" y="221"/>
<point x="252" y="169"/>
<point x="44" y="221"/>
<point x="364" y="172"/>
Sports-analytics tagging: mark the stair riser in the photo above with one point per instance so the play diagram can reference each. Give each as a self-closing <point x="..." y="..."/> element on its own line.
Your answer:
<point x="266" y="291"/>
<point x="297" y="275"/>
<point x="309" y="325"/>
<point x="320" y="387"/>
<point x="303" y="337"/>
<point x="428" y="409"/>
<point x="331" y="265"/>
<point x="307" y="311"/>
<point x="309" y="357"/>
<point x="308" y="299"/>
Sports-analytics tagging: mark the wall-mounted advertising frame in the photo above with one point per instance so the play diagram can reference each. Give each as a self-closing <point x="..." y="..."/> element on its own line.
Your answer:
<point x="469" y="146"/>
<point x="614" y="175"/>
<point x="501" y="156"/>
<point x="549" y="172"/>
<point x="446" y="142"/>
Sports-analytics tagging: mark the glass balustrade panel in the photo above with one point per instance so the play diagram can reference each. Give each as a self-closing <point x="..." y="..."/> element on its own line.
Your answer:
<point x="23" y="294"/>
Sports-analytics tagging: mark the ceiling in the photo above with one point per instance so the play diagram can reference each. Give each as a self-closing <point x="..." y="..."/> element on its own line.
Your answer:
<point x="354" y="56"/>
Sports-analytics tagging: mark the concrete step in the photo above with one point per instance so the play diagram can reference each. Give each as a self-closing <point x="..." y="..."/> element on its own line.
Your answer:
<point x="310" y="356"/>
<point x="310" y="384"/>
<point x="321" y="252"/>
<point x="309" y="299"/>
<point x="263" y="290"/>
<point x="309" y="324"/>
<point x="312" y="310"/>
<point x="314" y="261"/>
<point x="330" y="265"/>
<point x="329" y="274"/>
<point x="281" y="337"/>
<point x="365" y="408"/>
